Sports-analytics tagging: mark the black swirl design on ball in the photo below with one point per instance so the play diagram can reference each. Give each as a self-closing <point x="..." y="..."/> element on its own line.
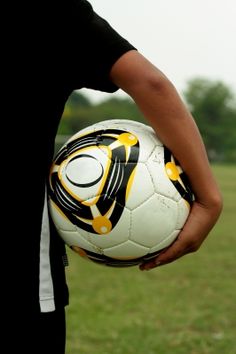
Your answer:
<point x="116" y="178"/>
<point x="177" y="176"/>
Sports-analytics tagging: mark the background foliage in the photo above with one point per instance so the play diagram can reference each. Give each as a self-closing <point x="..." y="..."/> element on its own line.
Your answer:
<point x="212" y="103"/>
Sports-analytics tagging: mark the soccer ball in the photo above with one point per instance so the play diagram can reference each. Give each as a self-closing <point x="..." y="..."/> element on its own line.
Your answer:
<point x="117" y="195"/>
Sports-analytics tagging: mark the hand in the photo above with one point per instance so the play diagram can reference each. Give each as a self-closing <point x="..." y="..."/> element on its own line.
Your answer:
<point x="199" y="223"/>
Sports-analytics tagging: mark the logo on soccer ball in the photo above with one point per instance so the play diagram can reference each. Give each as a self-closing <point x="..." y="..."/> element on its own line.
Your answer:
<point x="92" y="176"/>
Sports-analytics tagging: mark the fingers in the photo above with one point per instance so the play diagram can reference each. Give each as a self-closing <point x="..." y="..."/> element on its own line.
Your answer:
<point x="177" y="250"/>
<point x="196" y="229"/>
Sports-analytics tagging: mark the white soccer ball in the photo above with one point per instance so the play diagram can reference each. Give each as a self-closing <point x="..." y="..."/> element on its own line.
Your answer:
<point x="117" y="196"/>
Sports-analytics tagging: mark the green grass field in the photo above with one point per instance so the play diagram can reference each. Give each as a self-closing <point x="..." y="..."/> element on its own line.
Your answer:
<point x="187" y="307"/>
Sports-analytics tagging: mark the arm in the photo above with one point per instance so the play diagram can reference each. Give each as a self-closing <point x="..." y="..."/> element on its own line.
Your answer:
<point x="163" y="108"/>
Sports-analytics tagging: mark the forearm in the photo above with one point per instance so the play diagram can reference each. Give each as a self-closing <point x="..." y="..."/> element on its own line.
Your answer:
<point x="160" y="103"/>
<point x="163" y="108"/>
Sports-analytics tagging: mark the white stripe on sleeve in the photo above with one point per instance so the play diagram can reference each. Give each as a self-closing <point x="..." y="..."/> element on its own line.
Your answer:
<point x="46" y="292"/>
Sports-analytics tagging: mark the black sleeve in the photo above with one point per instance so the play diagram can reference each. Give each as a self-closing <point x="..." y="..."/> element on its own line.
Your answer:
<point x="97" y="47"/>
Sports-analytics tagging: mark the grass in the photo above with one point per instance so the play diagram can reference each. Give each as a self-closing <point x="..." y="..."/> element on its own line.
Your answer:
<point x="187" y="307"/>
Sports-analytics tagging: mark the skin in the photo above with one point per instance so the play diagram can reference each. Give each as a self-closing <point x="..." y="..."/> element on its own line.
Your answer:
<point x="165" y="111"/>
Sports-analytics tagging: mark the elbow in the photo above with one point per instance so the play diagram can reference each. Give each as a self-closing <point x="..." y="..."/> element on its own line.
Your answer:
<point x="215" y="205"/>
<point x="160" y="84"/>
<point x="218" y="204"/>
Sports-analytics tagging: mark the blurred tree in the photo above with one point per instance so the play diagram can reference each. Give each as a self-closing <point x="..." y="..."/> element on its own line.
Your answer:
<point x="213" y="106"/>
<point x="80" y="112"/>
<point x="76" y="104"/>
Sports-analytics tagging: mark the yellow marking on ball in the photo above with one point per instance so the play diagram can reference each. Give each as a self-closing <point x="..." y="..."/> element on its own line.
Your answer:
<point x="124" y="258"/>
<point x="172" y="171"/>
<point x="130" y="183"/>
<point x="127" y="139"/>
<point x="187" y="204"/>
<point x="80" y="251"/>
<point x="101" y="225"/>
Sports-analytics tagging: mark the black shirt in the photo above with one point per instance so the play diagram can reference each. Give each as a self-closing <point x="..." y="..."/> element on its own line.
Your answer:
<point x="52" y="48"/>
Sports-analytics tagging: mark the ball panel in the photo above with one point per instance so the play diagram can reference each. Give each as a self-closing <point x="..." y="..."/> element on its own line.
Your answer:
<point x="80" y="134"/>
<point x="153" y="221"/>
<point x="139" y="192"/>
<point x="74" y="238"/>
<point x="124" y="124"/>
<point x="147" y="144"/>
<point x="83" y="174"/>
<point x="145" y="134"/>
<point x="59" y="218"/>
<point x="162" y="183"/>
<point x="165" y="243"/>
<point x="126" y="251"/>
<point x="119" y="234"/>
<point x="183" y="212"/>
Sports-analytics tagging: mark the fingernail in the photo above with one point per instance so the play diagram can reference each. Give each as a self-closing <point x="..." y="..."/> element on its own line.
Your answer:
<point x="144" y="267"/>
<point x="157" y="263"/>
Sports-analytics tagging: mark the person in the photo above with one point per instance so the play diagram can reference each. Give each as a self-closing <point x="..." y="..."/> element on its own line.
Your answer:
<point x="54" y="48"/>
